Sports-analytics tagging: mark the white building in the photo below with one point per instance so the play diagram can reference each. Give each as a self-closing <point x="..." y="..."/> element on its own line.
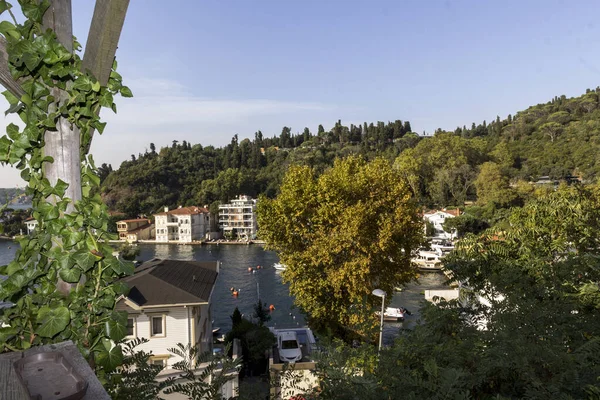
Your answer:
<point x="31" y="224"/>
<point x="238" y="218"/>
<point x="183" y="225"/>
<point x="437" y="218"/>
<point x="169" y="303"/>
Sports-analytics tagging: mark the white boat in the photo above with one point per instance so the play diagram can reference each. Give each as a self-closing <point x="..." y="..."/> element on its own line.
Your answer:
<point x="279" y="267"/>
<point x="428" y="260"/>
<point x="392" y="314"/>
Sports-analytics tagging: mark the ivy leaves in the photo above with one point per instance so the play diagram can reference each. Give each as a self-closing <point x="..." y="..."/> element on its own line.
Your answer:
<point x="63" y="280"/>
<point x="52" y="320"/>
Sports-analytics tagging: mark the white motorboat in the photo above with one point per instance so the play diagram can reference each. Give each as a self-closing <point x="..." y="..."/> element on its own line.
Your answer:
<point x="392" y="314"/>
<point x="428" y="260"/>
<point x="279" y="267"/>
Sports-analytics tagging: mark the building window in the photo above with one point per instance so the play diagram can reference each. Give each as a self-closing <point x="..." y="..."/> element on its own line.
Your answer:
<point x="157" y="326"/>
<point x="159" y="360"/>
<point x="131" y="327"/>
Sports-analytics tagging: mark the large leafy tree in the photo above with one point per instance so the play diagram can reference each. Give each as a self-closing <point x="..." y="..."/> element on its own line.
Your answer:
<point x="342" y="234"/>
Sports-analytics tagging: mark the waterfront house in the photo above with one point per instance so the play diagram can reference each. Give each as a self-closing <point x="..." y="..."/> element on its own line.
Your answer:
<point x="132" y="230"/>
<point x="31" y="224"/>
<point x="437" y="219"/>
<point x="169" y="303"/>
<point x="182" y="225"/>
<point x="237" y="219"/>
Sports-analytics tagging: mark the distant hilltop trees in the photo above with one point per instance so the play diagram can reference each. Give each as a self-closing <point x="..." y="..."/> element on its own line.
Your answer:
<point x="557" y="139"/>
<point x="14" y="196"/>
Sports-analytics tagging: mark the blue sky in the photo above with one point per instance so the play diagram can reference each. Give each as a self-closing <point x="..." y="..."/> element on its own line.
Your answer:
<point x="203" y="71"/>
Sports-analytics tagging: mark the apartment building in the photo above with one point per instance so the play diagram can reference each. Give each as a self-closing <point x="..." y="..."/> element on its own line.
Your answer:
<point x="238" y="218"/>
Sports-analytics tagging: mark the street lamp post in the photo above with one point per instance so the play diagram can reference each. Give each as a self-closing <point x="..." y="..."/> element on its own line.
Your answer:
<point x="380" y="293"/>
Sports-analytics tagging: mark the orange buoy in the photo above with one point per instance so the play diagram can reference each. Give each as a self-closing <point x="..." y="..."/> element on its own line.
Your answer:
<point x="271" y="307"/>
<point x="249" y="269"/>
<point x="235" y="293"/>
<point x="258" y="267"/>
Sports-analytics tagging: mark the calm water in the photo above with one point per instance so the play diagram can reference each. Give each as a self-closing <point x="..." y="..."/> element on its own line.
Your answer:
<point x="235" y="260"/>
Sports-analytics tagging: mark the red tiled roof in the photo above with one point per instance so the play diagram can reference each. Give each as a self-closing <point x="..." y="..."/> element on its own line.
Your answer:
<point x="185" y="211"/>
<point x="455" y="212"/>
<point x="134" y="220"/>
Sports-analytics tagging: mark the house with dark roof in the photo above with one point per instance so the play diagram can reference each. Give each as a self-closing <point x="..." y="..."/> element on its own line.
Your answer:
<point x="169" y="303"/>
<point x="182" y="225"/>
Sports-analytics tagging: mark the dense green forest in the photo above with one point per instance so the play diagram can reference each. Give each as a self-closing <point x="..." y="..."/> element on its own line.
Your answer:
<point x="489" y="163"/>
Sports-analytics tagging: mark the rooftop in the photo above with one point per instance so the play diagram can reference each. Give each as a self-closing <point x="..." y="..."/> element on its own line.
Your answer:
<point x="134" y="220"/>
<point x="185" y="211"/>
<point x="170" y="282"/>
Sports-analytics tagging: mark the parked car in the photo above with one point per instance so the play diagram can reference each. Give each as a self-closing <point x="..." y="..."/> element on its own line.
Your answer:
<point x="289" y="347"/>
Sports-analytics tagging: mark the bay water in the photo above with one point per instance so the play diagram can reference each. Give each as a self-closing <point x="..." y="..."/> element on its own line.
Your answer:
<point x="265" y="283"/>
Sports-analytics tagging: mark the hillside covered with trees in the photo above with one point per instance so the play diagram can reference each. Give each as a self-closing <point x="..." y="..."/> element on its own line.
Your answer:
<point x="489" y="163"/>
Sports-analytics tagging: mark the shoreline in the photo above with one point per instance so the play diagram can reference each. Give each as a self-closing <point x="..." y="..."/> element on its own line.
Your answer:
<point x="195" y="243"/>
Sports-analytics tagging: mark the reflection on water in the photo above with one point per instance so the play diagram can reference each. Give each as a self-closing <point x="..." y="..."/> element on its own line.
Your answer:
<point x="174" y="252"/>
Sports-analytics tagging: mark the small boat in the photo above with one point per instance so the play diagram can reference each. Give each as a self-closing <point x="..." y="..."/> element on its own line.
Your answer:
<point x="279" y="267"/>
<point x="392" y="314"/>
<point x="215" y="330"/>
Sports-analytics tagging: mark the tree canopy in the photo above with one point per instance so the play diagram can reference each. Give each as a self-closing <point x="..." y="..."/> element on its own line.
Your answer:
<point x="341" y="235"/>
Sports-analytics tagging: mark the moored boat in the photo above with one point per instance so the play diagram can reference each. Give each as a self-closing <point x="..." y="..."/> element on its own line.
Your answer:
<point x="279" y="267"/>
<point x="393" y="314"/>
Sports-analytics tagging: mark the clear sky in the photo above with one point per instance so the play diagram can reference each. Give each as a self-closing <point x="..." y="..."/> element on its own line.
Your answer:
<point x="203" y="71"/>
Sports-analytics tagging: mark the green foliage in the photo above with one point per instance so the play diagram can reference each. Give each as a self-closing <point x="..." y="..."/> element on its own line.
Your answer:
<point x="342" y="234"/>
<point x="441" y="170"/>
<point x="13" y="221"/>
<point x="527" y="324"/>
<point x="61" y="279"/>
<point x="464" y="223"/>
<point x="183" y="174"/>
<point x="261" y="312"/>
<point x="255" y="339"/>
<point x="136" y="379"/>
<point x="216" y="371"/>
<point x="129" y="252"/>
<point x="493" y="186"/>
<point x="199" y="375"/>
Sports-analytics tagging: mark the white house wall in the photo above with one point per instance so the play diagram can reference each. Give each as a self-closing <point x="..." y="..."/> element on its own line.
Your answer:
<point x="162" y="231"/>
<point x="437" y="219"/>
<point x="177" y="331"/>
